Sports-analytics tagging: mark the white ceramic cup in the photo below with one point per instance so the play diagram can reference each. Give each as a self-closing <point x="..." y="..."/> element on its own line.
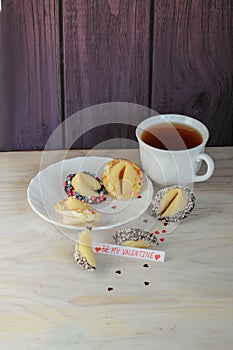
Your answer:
<point x="174" y="167"/>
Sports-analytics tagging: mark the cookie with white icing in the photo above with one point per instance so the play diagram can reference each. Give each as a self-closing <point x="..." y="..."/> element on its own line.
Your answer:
<point x="122" y="178"/>
<point x="76" y="212"/>
<point x="135" y="237"/>
<point x="173" y="203"/>
<point x="83" y="252"/>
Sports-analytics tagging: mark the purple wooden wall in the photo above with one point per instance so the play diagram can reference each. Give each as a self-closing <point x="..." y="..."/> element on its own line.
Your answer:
<point x="58" y="57"/>
<point x="193" y="63"/>
<point x="106" y="52"/>
<point x="106" y="58"/>
<point x="30" y="104"/>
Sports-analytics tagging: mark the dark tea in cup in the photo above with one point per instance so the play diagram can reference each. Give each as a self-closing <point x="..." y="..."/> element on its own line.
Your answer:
<point x="172" y="149"/>
<point x="171" y="136"/>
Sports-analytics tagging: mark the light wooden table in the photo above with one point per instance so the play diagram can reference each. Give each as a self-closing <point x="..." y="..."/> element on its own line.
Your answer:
<point x="47" y="302"/>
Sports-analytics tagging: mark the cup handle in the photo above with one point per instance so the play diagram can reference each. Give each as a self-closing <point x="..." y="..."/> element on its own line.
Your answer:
<point x="210" y="167"/>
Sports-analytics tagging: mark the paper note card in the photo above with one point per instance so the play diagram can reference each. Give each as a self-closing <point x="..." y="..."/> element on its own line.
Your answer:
<point x="128" y="252"/>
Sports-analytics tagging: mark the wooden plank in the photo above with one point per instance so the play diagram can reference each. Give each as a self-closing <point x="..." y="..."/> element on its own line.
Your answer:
<point x="192" y="63"/>
<point x="30" y="99"/>
<point x="106" y="57"/>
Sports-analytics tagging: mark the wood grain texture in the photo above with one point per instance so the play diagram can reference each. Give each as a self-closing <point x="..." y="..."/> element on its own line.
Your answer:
<point x="192" y="63"/>
<point x="110" y="55"/>
<point x="47" y="302"/>
<point x="30" y="100"/>
<point x="106" y="55"/>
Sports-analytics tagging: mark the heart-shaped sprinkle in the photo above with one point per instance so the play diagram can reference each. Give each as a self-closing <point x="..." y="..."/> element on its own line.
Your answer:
<point x="162" y="239"/>
<point x="113" y="206"/>
<point x="146" y="283"/>
<point x="164" y="231"/>
<point x="157" y="232"/>
<point x="139" y="197"/>
<point x="157" y="256"/>
<point x="97" y="249"/>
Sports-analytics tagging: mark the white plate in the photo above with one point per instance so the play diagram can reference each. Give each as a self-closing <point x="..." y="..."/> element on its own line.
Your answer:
<point x="46" y="189"/>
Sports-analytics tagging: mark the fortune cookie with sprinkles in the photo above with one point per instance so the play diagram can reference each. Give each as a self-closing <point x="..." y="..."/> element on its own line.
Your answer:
<point x="85" y="187"/>
<point x="83" y="252"/>
<point x="173" y="203"/>
<point x="122" y="179"/>
<point x="135" y="237"/>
